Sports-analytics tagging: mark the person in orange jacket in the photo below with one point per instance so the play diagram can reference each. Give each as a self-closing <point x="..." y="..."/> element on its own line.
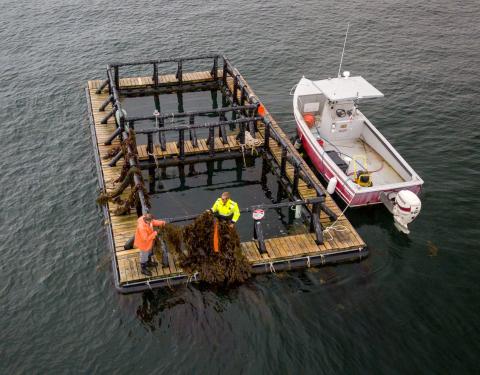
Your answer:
<point x="144" y="238"/>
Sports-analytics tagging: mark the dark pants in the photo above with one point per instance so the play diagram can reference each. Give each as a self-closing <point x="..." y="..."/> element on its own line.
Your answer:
<point x="224" y="218"/>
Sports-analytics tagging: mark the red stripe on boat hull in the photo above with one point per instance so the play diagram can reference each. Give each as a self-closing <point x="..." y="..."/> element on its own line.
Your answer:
<point x="347" y="195"/>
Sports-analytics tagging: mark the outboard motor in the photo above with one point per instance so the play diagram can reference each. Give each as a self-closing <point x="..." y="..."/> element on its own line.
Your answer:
<point x="405" y="207"/>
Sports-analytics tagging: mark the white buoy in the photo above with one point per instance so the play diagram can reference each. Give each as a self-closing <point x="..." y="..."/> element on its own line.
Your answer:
<point x="332" y="184"/>
<point x="298" y="211"/>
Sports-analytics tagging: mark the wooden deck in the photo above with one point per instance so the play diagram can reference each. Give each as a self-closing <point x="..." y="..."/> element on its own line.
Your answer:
<point x="292" y="251"/>
<point x="202" y="148"/>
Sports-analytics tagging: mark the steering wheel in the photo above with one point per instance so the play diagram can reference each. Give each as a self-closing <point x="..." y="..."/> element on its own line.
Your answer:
<point x="340" y="112"/>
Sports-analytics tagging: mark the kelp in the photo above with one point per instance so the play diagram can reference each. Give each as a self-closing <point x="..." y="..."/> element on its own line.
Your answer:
<point x="228" y="266"/>
<point x="173" y="235"/>
<point x="132" y="201"/>
<point x="104" y="197"/>
<point x="111" y="153"/>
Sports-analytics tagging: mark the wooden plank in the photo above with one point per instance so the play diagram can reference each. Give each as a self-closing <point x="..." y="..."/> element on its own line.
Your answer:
<point x="293" y="245"/>
<point x="271" y="253"/>
<point x="277" y="248"/>
<point x="254" y="251"/>
<point x="285" y="246"/>
<point x="246" y="251"/>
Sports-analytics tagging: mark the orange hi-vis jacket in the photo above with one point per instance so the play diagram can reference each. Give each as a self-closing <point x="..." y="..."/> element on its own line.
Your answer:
<point x="145" y="235"/>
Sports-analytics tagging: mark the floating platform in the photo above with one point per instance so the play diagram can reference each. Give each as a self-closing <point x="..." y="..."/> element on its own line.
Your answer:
<point x="109" y="125"/>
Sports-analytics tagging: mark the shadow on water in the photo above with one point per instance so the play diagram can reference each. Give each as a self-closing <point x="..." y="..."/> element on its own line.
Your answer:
<point x="191" y="298"/>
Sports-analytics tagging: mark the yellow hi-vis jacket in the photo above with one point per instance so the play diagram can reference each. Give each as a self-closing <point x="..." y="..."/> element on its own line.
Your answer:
<point x="230" y="208"/>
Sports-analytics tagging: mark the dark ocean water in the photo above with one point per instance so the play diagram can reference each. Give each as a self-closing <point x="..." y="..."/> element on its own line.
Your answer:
<point x="411" y="307"/>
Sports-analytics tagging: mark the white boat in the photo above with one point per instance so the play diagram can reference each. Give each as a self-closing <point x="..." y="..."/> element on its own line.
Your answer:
<point x="360" y="165"/>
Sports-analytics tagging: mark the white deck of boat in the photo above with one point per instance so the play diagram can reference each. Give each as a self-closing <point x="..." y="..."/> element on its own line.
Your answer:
<point x="381" y="172"/>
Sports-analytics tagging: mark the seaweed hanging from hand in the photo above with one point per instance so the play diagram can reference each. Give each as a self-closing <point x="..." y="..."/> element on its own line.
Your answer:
<point x="173" y="235"/>
<point x="228" y="266"/>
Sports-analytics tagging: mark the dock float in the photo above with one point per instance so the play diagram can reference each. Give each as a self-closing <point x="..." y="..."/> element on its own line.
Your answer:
<point x="250" y="126"/>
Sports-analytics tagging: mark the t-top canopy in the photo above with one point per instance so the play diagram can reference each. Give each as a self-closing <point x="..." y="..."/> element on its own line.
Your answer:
<point x="347" y="88"/>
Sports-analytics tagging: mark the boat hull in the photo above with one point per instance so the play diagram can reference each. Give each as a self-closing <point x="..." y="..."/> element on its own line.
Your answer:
<point x="327" y="168"/>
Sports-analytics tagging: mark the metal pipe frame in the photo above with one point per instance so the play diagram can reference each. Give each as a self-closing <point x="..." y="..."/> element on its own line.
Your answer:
<point x="161" y="61"/>
<point x="298" y="202"/>
<point x="169" y="88"/>
<point x="199" y="126"/>
<point x="191" y="159"/>
<point x="217" y="111"/>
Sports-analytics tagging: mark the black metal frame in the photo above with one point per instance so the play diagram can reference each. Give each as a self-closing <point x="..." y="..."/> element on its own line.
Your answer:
<point x="245" y="106"/>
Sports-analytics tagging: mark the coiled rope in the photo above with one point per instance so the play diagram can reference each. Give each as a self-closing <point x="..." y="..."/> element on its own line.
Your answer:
<point x="250" y="142"/>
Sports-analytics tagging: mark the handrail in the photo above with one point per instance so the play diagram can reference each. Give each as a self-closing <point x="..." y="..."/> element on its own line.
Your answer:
<point x="160" y="61"/>
<point x="298" y="202"/>
<point x="198" y="126"/>
<point x="192" y="113"/>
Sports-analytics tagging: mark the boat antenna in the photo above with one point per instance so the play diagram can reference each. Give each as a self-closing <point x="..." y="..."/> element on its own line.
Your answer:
<point x="344" y="42"/>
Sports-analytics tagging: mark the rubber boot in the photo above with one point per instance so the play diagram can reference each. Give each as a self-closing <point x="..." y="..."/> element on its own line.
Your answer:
<point x="151" y="263"/>
<point x="145" y="271"/>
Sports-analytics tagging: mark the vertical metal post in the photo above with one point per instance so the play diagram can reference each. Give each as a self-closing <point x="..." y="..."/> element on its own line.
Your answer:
<point x="155" y="75"/>
<point x="116" y="77"/>
<point x="210" y="169"/>
<point x="224" y="99"/>
<point x="241" y="134"/>
<point x="296" y="175"/>
<point x="213" y="94"/>
<point x="283" y="162"/>
<point x="161" y="135"/>
<point x="151" y="180"/>
<point x="258" y="235"/>
<point x="181" y="144"/>
<point x="179" y="74"/>
<point x="193" y="133"/>
<point x="215" y="68"/>
<point x="181" y="175"/>
<point x="239" y="168"/>
<point x="263" y="177"/>
<point x="266" y="138"/>
<point x="251" y="128"/>
<point x="211" y="140"/>
<point x="315" y="224"/>
<point x="180" y="101"/>
<point x="280" y="192"/>
<point x="149" y="145"/>
<point x="222" y="132"/>
<point x="110" y="92"/>
<point x="243" y="94"/>
<point x="225" y="72"/>
<point x="235" y="89"/>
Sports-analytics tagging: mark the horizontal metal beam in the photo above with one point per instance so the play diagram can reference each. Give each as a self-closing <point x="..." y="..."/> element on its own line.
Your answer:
<point x="192" y="159"/>
<point x="168" y="88"/>
<point x="192" y="113"/>
<point x="199" y="126"/>
<point x="298" y="202"/>
<point x="160" y="61"/>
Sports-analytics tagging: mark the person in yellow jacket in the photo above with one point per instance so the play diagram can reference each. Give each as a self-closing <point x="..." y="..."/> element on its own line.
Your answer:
<point x="226" y="209"/>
